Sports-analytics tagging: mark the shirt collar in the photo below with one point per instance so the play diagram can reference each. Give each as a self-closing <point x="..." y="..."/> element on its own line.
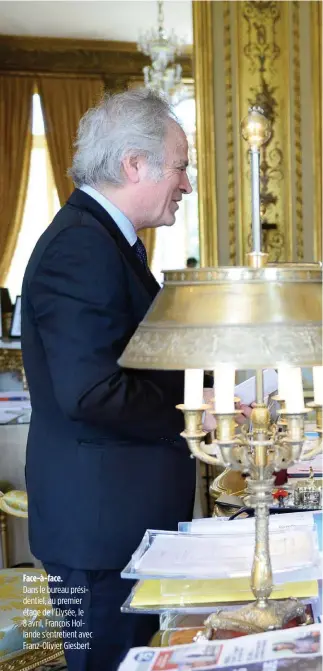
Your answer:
<point x="123" y="223"/>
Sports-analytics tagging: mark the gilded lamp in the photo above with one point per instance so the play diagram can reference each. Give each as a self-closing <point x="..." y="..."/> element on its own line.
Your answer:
<point x="236" y="318"/>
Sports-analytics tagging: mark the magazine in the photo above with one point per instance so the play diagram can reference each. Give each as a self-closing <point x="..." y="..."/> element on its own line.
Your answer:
<point x="297" y="649"/>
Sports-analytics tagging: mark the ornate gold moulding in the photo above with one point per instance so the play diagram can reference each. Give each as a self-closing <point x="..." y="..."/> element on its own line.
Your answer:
<point x="250" y="318"/>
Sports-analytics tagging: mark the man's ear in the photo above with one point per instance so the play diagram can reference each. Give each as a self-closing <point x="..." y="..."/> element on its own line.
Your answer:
<point x="131" y="167"/>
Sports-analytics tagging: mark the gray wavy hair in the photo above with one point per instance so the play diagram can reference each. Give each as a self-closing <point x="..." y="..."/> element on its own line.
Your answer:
<point x="132" y="123"/>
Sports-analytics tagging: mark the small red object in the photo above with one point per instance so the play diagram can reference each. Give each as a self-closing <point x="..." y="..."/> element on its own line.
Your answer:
<point x="280" y="494"/>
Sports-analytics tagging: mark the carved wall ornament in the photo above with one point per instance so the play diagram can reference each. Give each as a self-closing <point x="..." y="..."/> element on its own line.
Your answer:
<point x="264" y="84"/>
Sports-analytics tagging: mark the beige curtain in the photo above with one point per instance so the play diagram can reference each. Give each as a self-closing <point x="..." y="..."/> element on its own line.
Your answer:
<point x="64" y="101"/>
<point x="148" y="237"/>
<point x="15" y="150"/>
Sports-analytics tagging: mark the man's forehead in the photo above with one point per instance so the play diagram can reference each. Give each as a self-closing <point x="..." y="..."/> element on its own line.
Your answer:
<point x="176" y="141"/>
<point x="175" y="131"/>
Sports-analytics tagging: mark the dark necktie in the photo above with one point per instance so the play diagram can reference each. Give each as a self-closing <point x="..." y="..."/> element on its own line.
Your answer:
<point x="140" y="250"/>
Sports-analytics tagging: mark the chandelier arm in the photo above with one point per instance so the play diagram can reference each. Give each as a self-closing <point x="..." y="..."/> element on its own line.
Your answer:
<point x="194" y="445"/>
<point x="282" y="456"/>
<point x="232" y="453"/>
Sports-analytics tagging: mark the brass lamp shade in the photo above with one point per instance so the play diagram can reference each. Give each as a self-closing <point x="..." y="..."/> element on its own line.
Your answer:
<point x="248" y="317"/>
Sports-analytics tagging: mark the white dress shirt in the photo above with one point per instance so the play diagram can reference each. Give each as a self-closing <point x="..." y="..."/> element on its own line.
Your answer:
<point x="123" y="223"/>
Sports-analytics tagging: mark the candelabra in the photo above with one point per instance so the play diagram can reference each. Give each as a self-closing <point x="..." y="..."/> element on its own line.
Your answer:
<point x="253" y="317"/>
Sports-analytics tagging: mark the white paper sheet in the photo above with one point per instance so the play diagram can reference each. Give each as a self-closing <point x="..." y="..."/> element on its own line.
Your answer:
<point x="246" y="390"/>
<point x="240" y="527"/>
<point x="224" y="555"/>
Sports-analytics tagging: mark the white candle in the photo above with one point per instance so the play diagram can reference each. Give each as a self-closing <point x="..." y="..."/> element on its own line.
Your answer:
<point x="224" y="378"/>
<point x="294" y="396"/>
<point x="283" y="372"/>
<point x="193" y="392"/>
<point x="318" y="384"/>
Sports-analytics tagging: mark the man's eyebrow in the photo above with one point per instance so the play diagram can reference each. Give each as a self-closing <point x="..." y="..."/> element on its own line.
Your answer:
<point x="181" y="164"/>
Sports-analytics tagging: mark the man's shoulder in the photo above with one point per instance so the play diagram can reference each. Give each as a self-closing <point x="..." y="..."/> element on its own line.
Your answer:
<point x="70" y="221"/>
<point x="71" y="228"/>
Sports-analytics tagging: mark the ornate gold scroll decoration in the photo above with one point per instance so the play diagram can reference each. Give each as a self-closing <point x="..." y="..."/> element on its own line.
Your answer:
<point x="297" y="132"/>
<point x="205" y="131"/>
<point x="230" y="136"/>
<point x="316" y="39"/>
<point x="262" y="80"/>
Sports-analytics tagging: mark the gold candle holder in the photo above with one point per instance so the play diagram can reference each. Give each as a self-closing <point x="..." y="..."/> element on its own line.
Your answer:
<point x="226" y="440"/>
<point x="193" y="421"/>
<point x="225" y="426"/>
<point x="194" y="433"/>
<point x="295" y="425"/>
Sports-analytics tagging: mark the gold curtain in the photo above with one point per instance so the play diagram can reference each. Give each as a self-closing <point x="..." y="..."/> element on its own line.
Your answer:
<point x="148" y="237"/>
<point x="15" y="150"/>
<point x="64" y="101"/>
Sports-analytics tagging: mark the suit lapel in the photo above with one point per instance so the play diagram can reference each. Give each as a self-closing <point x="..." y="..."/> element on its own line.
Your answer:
<point x="83" y="201"/>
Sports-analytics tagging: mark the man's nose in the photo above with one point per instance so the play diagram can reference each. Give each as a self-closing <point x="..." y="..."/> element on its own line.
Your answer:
<point x="185" y="186"/>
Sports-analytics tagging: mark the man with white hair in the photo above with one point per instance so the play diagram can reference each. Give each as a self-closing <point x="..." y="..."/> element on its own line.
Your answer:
<point x="105" y="460"/>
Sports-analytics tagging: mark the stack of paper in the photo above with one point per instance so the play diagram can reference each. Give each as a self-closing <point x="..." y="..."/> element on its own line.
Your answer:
<point x="223" y="555"/>
<point x="211" y="563"/>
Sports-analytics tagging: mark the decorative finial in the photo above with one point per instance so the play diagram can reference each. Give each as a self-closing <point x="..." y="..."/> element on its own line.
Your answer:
<point x="255" y="127"/>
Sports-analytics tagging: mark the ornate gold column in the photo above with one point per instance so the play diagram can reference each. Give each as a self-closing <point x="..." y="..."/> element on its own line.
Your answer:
<point x="265" y="53"/>
<point x="205" y="126"/>
<point x="316" y="68"/>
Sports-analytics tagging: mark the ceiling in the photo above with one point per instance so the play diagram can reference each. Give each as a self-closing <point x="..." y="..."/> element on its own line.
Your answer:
<point x="93" y="19"/>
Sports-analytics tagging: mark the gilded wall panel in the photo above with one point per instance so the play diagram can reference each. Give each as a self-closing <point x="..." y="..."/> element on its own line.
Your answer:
<point x="267" y="53"/>
<point x="263" y="43"/>
<point x="206" y="124"/>
<point x="316" y="30"/>
<point x="232" y="203"/>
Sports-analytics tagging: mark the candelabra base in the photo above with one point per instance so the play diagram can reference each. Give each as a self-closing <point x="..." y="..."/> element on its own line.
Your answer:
<point x="255" y="618"/>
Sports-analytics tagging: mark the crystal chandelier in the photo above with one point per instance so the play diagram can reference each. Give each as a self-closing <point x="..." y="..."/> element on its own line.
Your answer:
<point x="163" y="75"/>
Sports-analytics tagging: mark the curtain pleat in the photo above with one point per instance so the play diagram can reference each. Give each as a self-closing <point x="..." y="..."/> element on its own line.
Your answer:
<point x="15" y="151"/>
<point x="148" y="237"/>
<point x="64" y="101"/>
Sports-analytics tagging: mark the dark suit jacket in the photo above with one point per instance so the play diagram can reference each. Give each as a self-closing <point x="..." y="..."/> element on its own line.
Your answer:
<point x="104" y="457"/>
